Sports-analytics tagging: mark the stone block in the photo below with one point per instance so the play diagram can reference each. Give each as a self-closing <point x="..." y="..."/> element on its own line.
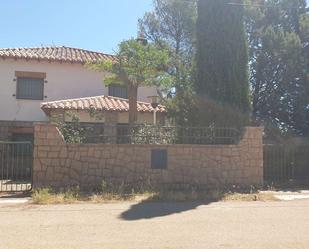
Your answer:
<point x="74" y="175"/>
<point x="53" y="154"/>
<point x="58" y="177"/>
<point x="52" y="142"/>
<point x="77" y="155"/>
<point x="63" y="152"/>
<point x="78" y="166"/>
<point x="91" y="151"/>
<point x="37" y="166"/>
<point x="68" y="163"/>
<point x="40" y="175"/>
<point x="55" y="162"/>
<point x="50" y="173"/>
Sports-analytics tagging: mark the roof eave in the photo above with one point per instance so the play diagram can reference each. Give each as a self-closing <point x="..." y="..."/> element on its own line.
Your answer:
<point x="47" y="60"/>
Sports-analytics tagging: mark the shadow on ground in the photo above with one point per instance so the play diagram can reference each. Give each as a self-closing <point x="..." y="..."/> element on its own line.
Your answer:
<point x="181" y="201"/>
<point x="149" y="210"/>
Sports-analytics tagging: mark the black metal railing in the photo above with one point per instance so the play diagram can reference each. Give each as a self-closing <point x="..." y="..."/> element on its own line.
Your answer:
<point x="283" y="163"/>
<point x="146" y="134"/>
<point x="15" y="166"/>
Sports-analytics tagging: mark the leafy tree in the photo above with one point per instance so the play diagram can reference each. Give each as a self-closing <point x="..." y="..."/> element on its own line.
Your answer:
<point x="222" y="63"/>
<point x="137" y="64"/>
<point x="278" y="32"/>
<point x="72" y="132"/>
<point x="171" y="25"/>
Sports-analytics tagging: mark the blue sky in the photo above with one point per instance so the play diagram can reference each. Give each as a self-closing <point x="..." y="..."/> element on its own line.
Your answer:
<point x="90" y="24"/>
<point x="93" y="24"/>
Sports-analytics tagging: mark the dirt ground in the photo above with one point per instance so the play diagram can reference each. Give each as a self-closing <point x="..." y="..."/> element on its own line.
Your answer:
<point x="253" y="225"/>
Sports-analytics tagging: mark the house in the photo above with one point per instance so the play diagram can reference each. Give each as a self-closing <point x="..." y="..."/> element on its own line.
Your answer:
<point x="58" y="78"/>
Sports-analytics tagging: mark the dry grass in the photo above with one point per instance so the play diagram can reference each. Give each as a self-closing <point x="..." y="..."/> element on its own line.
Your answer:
<point x="213" y="196"/>
<point x="249" y="197"/>
<point x="47" y="196"/>
<point x="71" y="196"/>
<point x="110" y="198"/>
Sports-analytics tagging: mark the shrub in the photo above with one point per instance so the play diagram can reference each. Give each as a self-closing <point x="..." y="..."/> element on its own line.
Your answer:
<point x="41" y="195"/>
<point x="72" y="194"/>
<point x="72" y="131"/>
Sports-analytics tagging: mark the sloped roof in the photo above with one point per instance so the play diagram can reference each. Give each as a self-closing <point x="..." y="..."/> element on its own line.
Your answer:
<point x="55" y="54"/>
<point x="99" y="103"/>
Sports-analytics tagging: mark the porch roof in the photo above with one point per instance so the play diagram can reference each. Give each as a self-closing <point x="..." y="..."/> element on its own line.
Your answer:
<point x="98" y="103"/>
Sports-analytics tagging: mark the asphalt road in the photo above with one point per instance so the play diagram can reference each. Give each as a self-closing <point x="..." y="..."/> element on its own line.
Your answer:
<point x="254" y="225"/>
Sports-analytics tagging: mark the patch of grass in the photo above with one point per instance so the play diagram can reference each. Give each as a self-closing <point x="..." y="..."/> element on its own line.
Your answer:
<point x="48" y="196"/>
<point x="248" y="197"/>
<point x="41" y="195"/>
<point x="104" y="198"/>
<point x="107" y="192"/>
<point x="212" y="196"/>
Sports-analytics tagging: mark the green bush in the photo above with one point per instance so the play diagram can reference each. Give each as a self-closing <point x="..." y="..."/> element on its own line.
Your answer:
<point x="41" y="195"/>
<point x="72" y="193"/>
<point x="72" y="131"/>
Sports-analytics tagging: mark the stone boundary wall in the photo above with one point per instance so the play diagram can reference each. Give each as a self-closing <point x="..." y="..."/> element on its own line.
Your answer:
<point x="57" y="164"/>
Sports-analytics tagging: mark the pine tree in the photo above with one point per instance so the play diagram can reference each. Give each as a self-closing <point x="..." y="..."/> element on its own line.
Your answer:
<point x="279" y="56"/>
<point x="171" y="25"/>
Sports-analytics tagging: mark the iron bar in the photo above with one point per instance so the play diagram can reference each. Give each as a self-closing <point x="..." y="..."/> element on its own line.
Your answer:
<point x="16" y="160"/>
<point x="150" y="134"/>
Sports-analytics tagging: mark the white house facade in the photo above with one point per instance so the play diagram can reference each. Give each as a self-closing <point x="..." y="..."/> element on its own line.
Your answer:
<point x="32" y="76"/>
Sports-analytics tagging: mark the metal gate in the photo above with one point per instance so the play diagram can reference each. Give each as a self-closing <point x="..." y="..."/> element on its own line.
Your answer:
<point x="283" y="163"/>
<point x="16" y="159"/>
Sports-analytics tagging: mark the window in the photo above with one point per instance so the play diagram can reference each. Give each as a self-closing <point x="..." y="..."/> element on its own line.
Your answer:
<point x="30" y="88"/>
<point x="118" y="91"/>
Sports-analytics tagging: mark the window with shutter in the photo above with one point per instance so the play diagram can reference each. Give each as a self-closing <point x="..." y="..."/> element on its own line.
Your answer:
<point x="30" y="88"/>
<point x="118" y="91"/>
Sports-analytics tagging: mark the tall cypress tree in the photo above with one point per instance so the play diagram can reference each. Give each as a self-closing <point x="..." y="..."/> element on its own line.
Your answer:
<point x="222" y="62"/>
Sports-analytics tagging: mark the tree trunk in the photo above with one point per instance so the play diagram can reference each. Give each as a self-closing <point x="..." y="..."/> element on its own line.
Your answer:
<point x="132" y="91"/>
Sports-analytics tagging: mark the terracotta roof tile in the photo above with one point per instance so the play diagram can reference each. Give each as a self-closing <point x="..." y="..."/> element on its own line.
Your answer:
<point x="59" y="54"/>
<point x="99" y="103"/>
